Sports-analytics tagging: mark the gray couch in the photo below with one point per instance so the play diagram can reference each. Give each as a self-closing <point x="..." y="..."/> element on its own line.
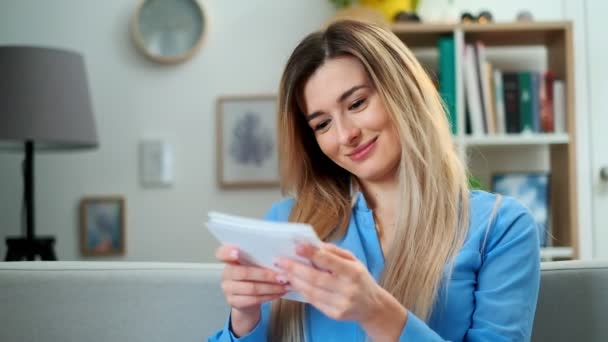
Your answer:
<point x="109" y="301"/>
<point x="573" y="302"/>
<point x="123" y="301"/>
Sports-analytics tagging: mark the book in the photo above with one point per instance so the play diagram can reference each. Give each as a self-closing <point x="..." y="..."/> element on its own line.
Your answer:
<point x="536" y="89"/>
<point x="479" y="62"/>
<point x="447" y="78"/>
<point x="500" y="103"/>
<point x="559" y="106"/>
<point x="525" y="101"/>
<point x="489" y="95"/>
<point x="472" y="91"/>
<point x="510" y="88"/>
<point x="546" y="99"/>
<point x="261" y="242"/>
<point x="533" y="190"/>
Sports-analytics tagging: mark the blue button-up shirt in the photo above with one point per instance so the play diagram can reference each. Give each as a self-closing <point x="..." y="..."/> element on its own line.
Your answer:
<point x="492" y="290"/>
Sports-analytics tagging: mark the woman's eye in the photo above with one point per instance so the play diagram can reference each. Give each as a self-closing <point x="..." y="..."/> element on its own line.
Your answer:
<point x="321" y="125"/>
<point x="356" y="104"/>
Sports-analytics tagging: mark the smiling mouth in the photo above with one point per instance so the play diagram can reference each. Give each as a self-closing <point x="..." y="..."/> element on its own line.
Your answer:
<point x="362" y="151"/>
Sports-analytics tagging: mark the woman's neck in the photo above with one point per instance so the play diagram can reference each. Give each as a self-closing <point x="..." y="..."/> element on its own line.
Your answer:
<point x="382" y="197"/>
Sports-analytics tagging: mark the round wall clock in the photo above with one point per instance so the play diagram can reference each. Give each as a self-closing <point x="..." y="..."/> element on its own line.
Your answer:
<point x="169" y="31"/>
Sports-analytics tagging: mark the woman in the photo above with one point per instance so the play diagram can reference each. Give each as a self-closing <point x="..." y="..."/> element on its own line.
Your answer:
<point x="411" y="254"/>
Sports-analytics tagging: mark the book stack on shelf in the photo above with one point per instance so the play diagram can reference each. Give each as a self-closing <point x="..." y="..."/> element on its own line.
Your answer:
<point x="510" y="118"/>
<point x="510" y="102"/>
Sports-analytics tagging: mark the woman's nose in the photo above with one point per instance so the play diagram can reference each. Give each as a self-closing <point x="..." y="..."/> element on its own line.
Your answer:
<point x="348" y="133"/>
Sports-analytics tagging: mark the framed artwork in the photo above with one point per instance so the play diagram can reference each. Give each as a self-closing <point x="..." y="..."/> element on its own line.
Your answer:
<point x="102" y="225"/>
<point x="532" y="190"/>
<point x="247" y="141"/>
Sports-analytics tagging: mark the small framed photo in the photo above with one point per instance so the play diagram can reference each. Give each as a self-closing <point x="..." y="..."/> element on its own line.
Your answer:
<point x="532" y="190"/>
<point x="247" y="141"/>
<point x="102" y="226"/>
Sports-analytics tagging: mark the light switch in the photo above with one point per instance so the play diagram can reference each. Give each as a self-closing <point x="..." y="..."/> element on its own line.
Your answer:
<point x="156" y="163"/>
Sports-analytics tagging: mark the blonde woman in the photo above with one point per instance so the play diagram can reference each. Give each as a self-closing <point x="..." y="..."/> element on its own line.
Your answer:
<point x="411" y="254"/>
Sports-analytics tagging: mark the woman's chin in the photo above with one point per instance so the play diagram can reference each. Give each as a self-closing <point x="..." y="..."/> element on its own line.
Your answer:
<point x="375" y="174"/>
<point x="369" y="175"/>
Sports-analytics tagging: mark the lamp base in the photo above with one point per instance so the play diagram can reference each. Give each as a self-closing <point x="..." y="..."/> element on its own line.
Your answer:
<point x="19" y="249"/>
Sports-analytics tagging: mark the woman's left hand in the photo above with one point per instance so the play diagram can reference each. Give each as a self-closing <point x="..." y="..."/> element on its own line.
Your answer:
<point x="339" y="286"/>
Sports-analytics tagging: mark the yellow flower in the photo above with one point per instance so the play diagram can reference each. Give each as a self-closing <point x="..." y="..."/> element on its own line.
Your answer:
<point x="390" y="8"/>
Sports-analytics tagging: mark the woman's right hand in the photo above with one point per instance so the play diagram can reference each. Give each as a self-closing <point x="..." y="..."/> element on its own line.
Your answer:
<point x="246" y="288"/>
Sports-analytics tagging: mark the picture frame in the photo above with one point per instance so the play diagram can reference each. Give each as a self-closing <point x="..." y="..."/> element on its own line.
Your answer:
<point x="532" y="189"/>
<point x="247" y="155"/>
<point x="102" y="225"/>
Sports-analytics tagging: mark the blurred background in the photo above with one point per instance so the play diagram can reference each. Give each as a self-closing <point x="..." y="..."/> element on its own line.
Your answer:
<point x="156" y="105"/>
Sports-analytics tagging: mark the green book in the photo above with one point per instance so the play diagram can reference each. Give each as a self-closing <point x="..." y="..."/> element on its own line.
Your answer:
<point x="525" y="101"/>
<point x="447" y="78"/>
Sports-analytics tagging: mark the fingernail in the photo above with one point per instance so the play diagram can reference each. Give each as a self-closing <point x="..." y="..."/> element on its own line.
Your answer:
<point x="288" y="288"/>
<point x="282" y="279"/>
<point x="234" y="254"/>
<point x="300" y="248"/>
<point x="279" y="263"/>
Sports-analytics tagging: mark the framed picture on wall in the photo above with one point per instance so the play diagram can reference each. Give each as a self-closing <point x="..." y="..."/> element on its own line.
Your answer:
<point x="532" y="190"/>
<point x="247" y="141"/>
<point x="102" y="226"/>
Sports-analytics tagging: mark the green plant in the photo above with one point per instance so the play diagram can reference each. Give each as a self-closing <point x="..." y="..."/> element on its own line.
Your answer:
<point x="475" y="183"/>
<point x="342" y="3"/>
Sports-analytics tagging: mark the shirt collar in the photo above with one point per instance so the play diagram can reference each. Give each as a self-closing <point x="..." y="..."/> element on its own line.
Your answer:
<point x="358" y="201"/>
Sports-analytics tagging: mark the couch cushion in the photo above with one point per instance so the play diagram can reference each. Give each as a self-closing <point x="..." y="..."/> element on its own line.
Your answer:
<point x="573" y="302"/>
<point x="115" y="301"/>
<point x="126" y="301"/>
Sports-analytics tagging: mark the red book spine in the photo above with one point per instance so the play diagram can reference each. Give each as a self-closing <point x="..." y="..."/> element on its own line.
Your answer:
<point x="547" y="117"/>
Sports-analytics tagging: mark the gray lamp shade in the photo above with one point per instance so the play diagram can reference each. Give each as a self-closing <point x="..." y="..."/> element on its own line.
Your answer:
<point x="44" y="98"/>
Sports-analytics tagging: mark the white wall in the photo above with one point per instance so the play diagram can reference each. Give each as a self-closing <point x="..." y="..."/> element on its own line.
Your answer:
<point x="501" y="10"/>
<point x="245" y="50"/>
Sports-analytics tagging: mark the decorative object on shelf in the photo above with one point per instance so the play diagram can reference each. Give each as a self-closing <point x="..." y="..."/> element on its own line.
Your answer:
<point x="381" y="12"/>
<point x="44" y="105"/>
<point x="342" y="3"/>
<point x="525" y="16"/>
<point x="347" y="9"/>
<point x="102" y="226"/>
<point x="394" y="9"/>
<point x="247" y="141"/>
<point x="438" y="11"/>
<point x="532" y="190"/>
<point x="403" y="17"/>
<point x="484" y="17"/>
<point x="169" y="31"/>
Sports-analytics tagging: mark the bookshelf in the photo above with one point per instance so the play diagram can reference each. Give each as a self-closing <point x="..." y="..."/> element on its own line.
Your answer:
<point x="521" y="139"/>
<point x="483" y="152"/>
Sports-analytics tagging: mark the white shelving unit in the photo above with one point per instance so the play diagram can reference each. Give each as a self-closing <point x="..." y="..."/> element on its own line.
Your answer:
<point x="557" y="151"/>
<point x="552" y="253"/>
<point x="517" y="139"/>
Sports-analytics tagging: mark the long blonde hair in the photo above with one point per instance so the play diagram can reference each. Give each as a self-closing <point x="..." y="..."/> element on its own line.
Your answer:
<point x="432" y="219"/>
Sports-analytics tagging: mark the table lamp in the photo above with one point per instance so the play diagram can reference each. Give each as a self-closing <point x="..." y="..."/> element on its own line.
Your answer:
<point x="44" y="105"/>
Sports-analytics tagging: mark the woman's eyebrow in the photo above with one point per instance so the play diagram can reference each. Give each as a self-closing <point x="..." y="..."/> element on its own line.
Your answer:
<point x="342" y="97"/>
<point x="311" y="116"/>
<point x="350" y="91"/>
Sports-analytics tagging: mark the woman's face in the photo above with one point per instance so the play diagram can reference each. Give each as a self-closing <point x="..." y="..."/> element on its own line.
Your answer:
<point x="349" y="121"/>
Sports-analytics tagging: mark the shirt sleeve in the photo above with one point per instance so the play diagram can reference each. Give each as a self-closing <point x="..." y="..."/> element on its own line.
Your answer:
<point x="508" y="283"/>
<point x="417" y="330"/>
<point x="259" y="333"/>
